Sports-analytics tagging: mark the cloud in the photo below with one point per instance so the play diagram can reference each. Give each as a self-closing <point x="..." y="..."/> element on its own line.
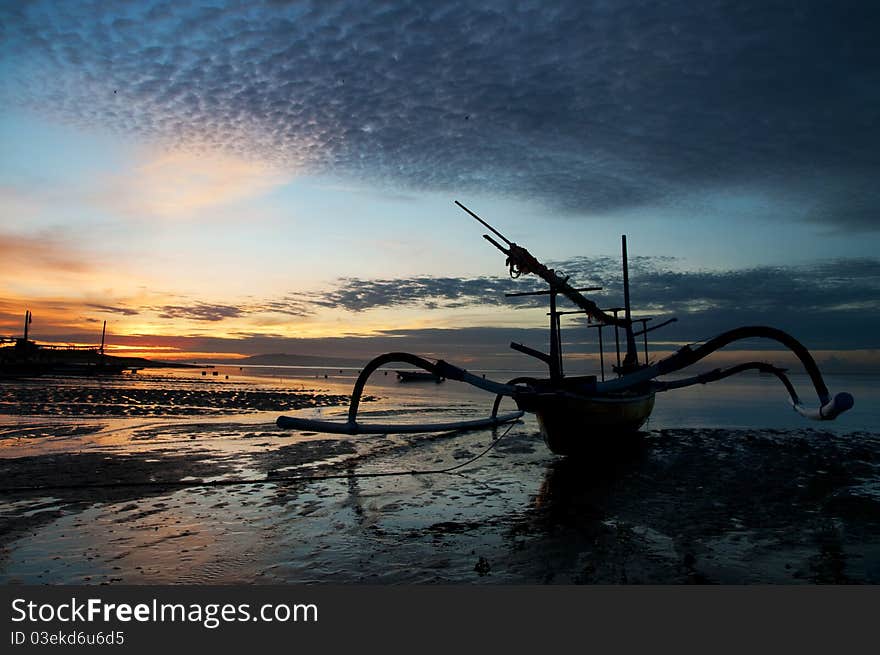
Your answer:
<point x="125" y="311"/>
<point x="355" y="294"/>
<point x="819" y="286"/>
<point x="290" y="305"/>
<point x="829" y="304"/>
<point x="20" y="252"/>
<point x="833" y="303"/>
<point x="199" y="311"/>
<point x="203" y="311"/>
<point x="182" y="183"/>
<point x="588" y="107"/>
<point x="823" y="284"/>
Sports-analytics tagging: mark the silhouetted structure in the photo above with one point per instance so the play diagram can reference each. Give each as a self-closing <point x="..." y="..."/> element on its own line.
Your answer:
<point x="571" y="410"/>
<point x="26" y="358"/>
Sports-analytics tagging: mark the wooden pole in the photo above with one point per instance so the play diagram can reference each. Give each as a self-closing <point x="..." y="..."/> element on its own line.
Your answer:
<point x="625" y="280"/>
<point x="632" y="357"/>
<point x="555" y="371"/>
<point x="559" y="341"/>
<point x="617" y="339"/>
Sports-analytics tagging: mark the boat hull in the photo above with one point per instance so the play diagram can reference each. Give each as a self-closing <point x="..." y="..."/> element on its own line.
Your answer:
<point x="571" y="424"/>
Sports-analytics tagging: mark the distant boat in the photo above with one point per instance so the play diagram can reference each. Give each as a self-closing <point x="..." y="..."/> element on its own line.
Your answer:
<point x="26" y="358"/>
<point x="418" y="376"/>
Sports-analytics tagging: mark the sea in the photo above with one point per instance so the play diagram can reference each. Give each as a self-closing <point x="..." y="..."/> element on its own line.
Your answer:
<point x="181" y="476"/>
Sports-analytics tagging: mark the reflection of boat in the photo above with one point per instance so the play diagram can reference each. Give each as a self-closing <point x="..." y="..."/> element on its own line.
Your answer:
<point x="575" y="411"/>
<point x="418" y="376"/>
<point x="26" y="358"/>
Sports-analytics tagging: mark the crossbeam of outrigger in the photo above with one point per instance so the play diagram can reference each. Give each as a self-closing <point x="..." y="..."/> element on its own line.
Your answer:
<point x="571" y="410"/>
<point x="521" y="262"/>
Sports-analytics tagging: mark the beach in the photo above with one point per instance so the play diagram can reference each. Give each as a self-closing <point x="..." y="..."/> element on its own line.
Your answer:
<point x="114" y="487"/>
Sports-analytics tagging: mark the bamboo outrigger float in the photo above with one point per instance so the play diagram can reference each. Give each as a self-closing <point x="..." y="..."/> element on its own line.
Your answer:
<point x="573" y="410"/>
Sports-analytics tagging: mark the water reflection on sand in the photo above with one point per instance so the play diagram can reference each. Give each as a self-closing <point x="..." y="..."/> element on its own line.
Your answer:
<point x="692" y="504"/>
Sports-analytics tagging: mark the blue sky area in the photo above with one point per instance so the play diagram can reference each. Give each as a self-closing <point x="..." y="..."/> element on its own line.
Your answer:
<point x="268" y="177"/>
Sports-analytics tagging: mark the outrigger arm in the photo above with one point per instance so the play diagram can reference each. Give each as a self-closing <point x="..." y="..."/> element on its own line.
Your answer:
<point x="440" y="368"/>
<point x="829" y="407"/>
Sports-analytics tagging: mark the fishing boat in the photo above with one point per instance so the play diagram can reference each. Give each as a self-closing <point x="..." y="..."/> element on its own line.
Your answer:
<point x="575" y="412"/>
<point x="418" y="376"/>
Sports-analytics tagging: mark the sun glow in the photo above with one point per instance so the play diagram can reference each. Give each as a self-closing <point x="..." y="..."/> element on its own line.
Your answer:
<point x="187" y="184"/>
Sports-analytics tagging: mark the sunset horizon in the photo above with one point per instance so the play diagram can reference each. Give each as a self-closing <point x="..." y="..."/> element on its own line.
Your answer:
<point x="294" y="187"/>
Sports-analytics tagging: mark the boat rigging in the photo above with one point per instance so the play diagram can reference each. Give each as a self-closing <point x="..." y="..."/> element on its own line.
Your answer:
<point x="573" y="410"/>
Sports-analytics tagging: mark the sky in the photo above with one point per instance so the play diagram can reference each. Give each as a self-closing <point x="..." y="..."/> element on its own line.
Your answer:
<point x="219" y="179"/>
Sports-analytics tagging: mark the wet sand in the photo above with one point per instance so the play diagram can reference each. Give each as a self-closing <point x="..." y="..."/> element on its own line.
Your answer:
<point x="688" y="506"/>
<point x="153" y="396"/>
<point x="669" y="506"/>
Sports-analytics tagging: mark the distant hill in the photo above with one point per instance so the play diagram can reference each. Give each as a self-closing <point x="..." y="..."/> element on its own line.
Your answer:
<point x="285" y="359"/>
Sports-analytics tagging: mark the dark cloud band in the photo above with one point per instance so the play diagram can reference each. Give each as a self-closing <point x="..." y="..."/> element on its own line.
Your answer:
<point x="843" y="283"/>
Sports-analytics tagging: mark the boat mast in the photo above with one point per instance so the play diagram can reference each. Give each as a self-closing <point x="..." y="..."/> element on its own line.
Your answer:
<point x="555" y="341"/>
<point x="625" y="280"/>
<point x="631" y="360"/>
<point x="520" y="261"/>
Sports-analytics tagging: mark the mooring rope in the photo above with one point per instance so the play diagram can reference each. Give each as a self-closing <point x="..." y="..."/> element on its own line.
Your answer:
<point x="259" y="481"/>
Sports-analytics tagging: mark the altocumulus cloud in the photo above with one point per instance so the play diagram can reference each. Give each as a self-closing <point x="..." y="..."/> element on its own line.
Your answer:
<point x="589" y="107"/>
<point x="834" y="303"/>
<point x="203" y="311"/>
<point x="355" y="294"/>
<point x="825" y="285"/>
<point x="199" y="311"/>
